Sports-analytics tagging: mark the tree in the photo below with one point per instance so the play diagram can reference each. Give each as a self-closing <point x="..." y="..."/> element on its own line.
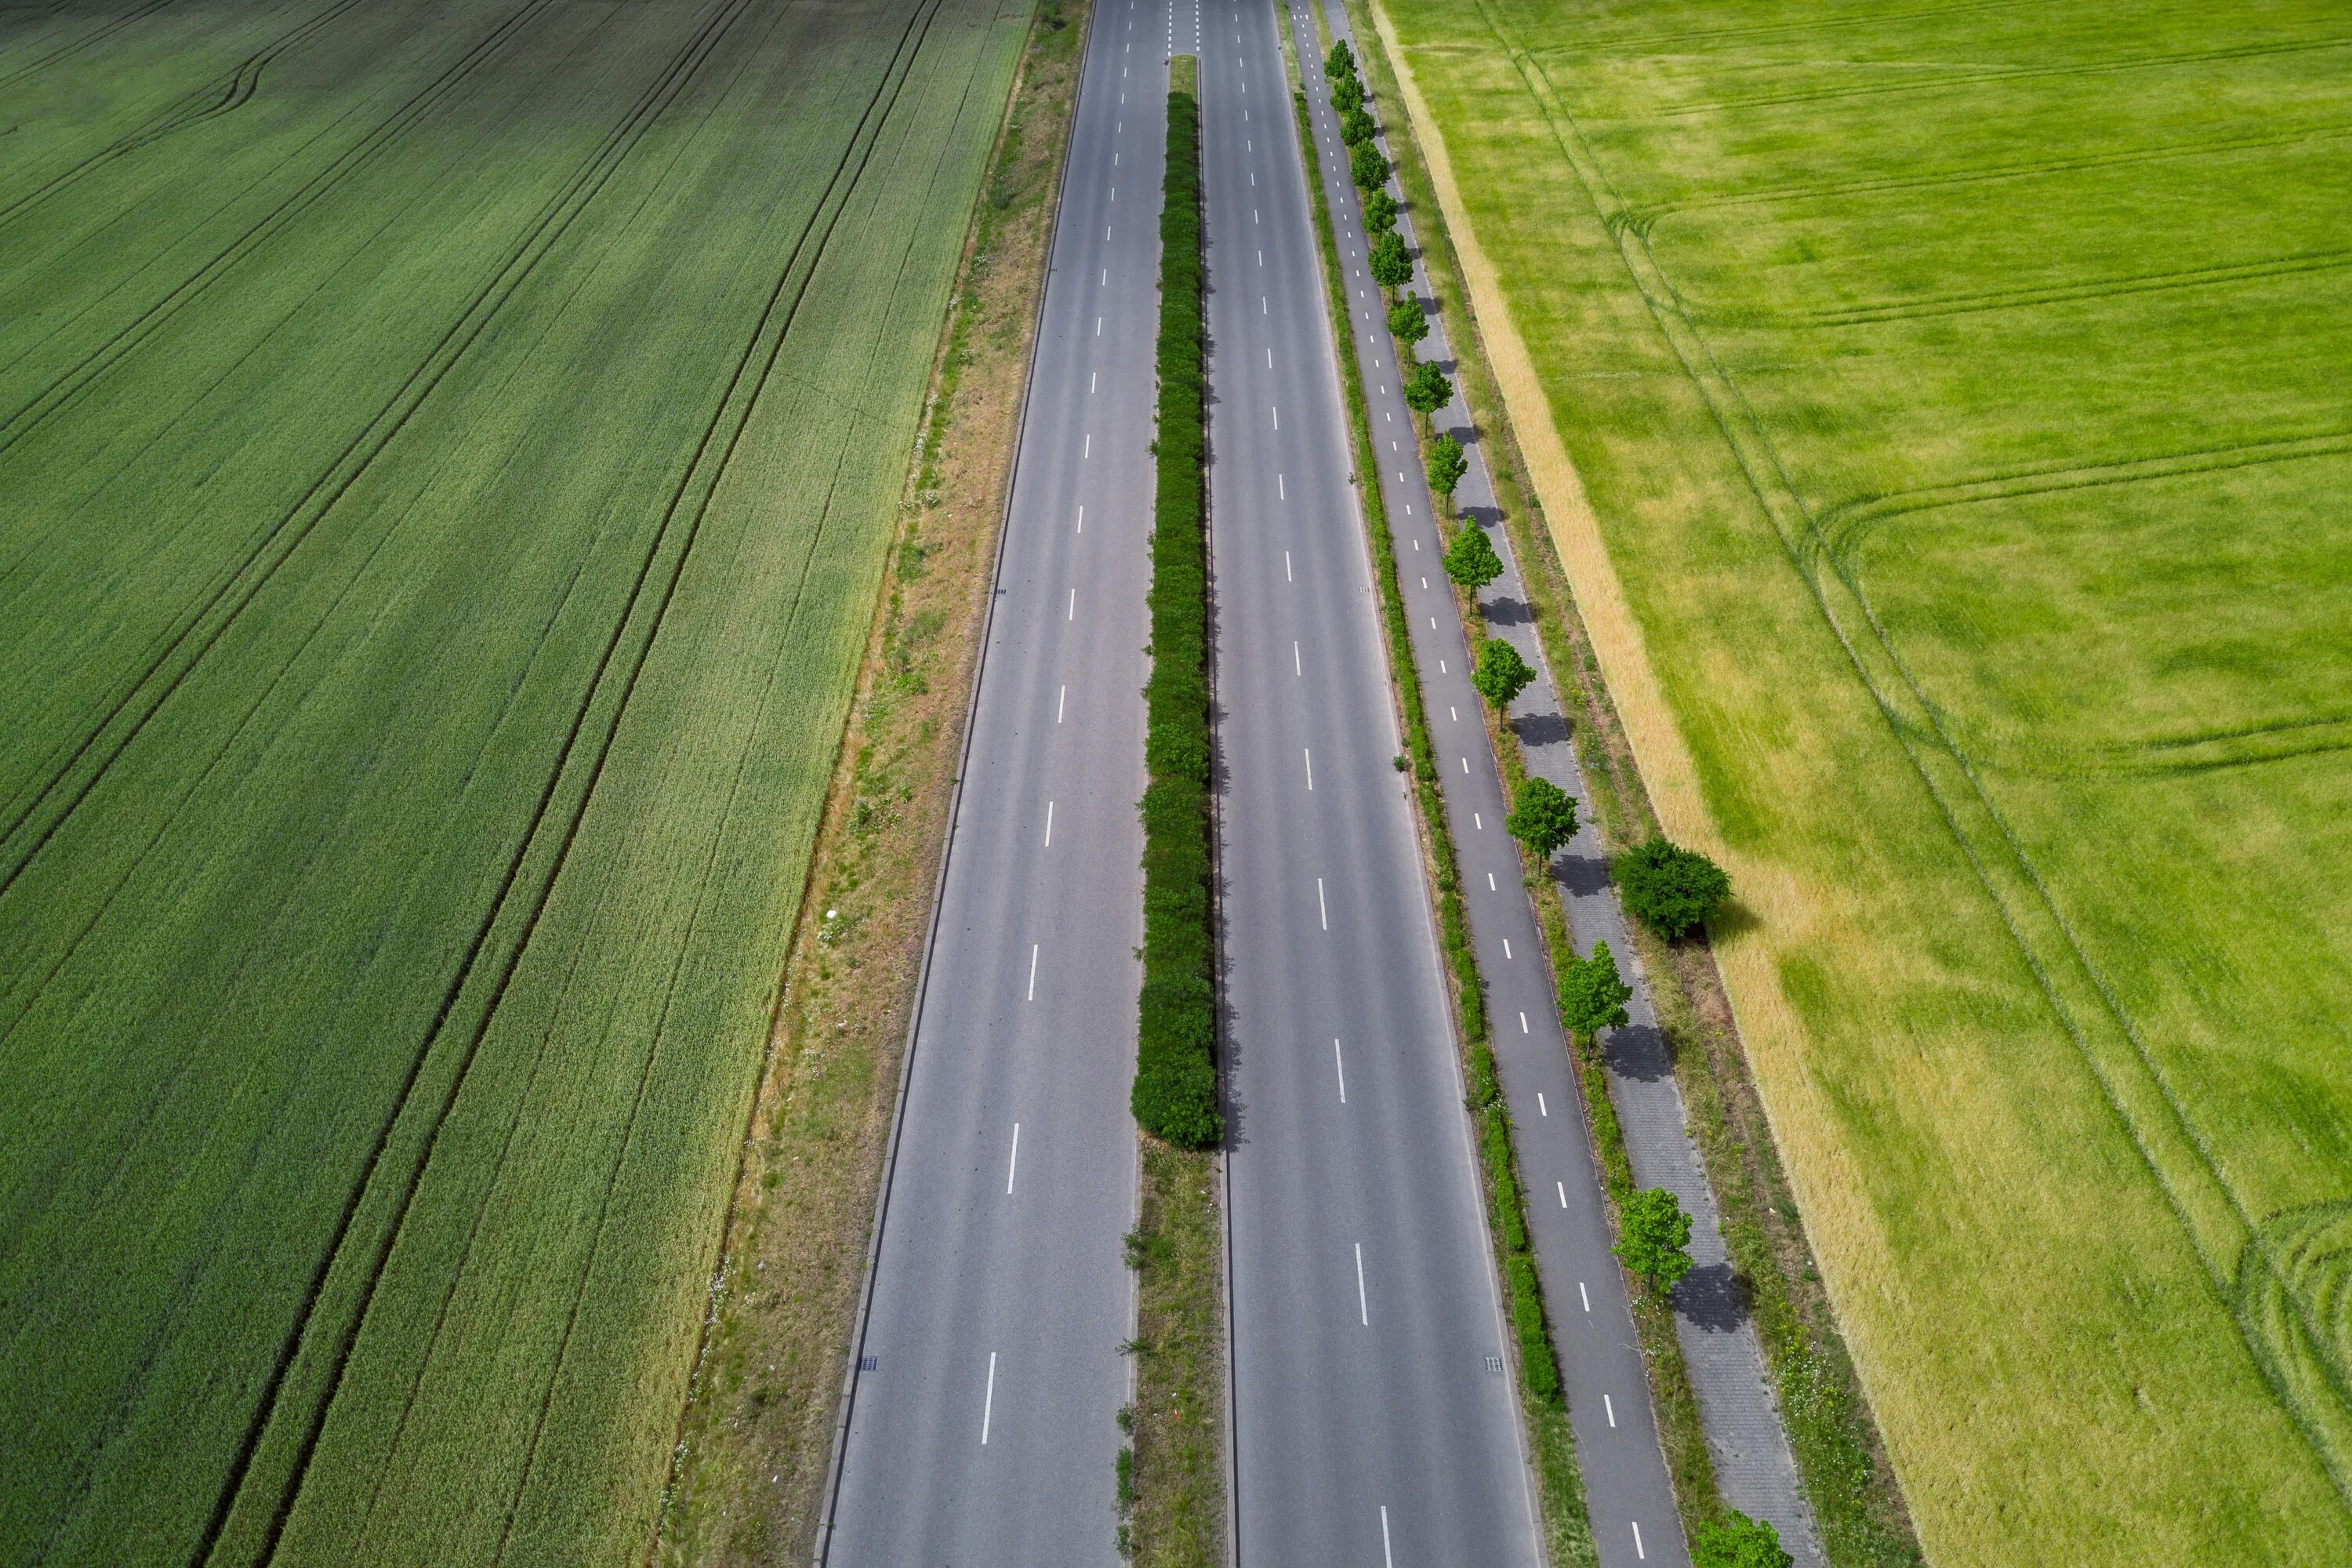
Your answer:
<point x="1471" y="560"/>
<point x="1341" y="61"/>
<point x="1367" y="167"/>
<point x="1671" y="889"/>
<point x="1654" y="1237"/>
<point x="1391" y="262"/>
<point x="1427" y="390"/>
<point x="1347" y="92"/>
<point x="1447" y="464"/>
<point x="1592" y="995"/>
<point x="1356" y="127"/>
<point x="1739" y="1541"/>
<point x="1501" y="674"/>
<point x="1380" y="213"/>
<point x="1543" y="817"/>
<point x="1407" y="320"/>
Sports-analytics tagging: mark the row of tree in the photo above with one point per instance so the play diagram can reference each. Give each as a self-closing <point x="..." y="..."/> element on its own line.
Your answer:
<point x="1669" y="889"/>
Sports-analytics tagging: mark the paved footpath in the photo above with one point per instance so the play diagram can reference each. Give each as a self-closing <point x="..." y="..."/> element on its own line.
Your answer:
<point x="1749" y="1444"/>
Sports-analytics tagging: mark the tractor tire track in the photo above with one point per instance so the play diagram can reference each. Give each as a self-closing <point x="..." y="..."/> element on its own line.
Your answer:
<point x="699" y="474"/>
<point x="560" y="211"/>
<point x="1647" y="216"/>
<point x="22" y="837"/>
<point x="2008" y="73"/>
<point x="678" y="966"/>
<point x="68" y="386"/>
<point x="91" y="39"/>
<point x="2145" y="1104"/>
<point x="223" y="95"/>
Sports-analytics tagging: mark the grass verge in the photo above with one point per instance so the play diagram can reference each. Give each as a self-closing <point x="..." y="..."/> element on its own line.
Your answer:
<point x="1857" y="1502"/>
<point x="1560" y="1485"/>
<point x="756" y="1433"/>
<point x="1171" y="1481"/>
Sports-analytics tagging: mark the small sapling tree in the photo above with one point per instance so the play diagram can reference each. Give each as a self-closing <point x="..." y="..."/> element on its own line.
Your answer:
<point x="1543" y="817"/>
<point x="1655" y="1240"/>
<point x="1357" y="127"/>
<point x="1737" y="1541"/>
<point x="1427" y="390"/>
<point x="1471" y="561"/>
<point x="1592" y="995"/>
<point x="1501" y="674"/>
<point x="1367" y="168"/>
<point x="1671" y="889"/>
<point x="1407" y="320"/>
<point x="1380" y="213"/>
<point x="1390" y="262"/>
<point x="1447" y="463"/>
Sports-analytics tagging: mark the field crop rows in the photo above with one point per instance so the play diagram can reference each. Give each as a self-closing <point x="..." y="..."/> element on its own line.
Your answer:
<point x="1959" y="394"/>
<point x="446" y="455"/>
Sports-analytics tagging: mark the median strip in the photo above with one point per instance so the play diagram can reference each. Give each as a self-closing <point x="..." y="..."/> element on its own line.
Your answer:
<point x="1171" y="1482"/>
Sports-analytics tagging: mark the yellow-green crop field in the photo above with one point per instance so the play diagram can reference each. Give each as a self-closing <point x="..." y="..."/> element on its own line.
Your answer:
<point x="447" y="453"/>
<point x="1963" y="395"/>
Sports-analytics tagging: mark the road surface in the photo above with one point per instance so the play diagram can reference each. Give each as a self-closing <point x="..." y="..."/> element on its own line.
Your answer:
<point x="983" y="1402"/>
<point x="1627" y="1489"/>
<point x="1374" y="1421"/>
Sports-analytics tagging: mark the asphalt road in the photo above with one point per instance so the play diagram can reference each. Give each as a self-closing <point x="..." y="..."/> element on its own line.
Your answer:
<point x="1627" y="1489"/>
<point x="1374" y="1423"/>
<point x="983" y="1402"/>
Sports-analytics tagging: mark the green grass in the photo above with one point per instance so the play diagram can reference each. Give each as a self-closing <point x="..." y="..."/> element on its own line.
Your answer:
<point x="442" y="493"/>
<point x="1958" y="392"/>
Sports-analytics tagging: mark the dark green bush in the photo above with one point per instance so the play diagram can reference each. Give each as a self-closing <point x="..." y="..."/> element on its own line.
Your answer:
<point x="1175" y="1093"/>
<point x="1671" y="889"/>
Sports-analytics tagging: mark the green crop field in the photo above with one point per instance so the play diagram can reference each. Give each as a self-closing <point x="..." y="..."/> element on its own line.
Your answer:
<point x="1963" y="397"/>
<point x="448" y="452"/>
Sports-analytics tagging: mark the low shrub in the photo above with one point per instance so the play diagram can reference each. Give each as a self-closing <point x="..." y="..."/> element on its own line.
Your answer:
<point x="1669" y="889"/>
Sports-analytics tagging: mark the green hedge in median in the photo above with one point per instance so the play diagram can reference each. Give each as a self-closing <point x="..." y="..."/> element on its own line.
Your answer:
<point x="1175" y="1093"/>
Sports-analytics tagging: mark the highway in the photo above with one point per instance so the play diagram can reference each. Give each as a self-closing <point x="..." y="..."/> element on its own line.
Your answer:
<point x="986" y="1376"/>
<point x="1375" y="1423"/>
<point x="1627" y="1489"/>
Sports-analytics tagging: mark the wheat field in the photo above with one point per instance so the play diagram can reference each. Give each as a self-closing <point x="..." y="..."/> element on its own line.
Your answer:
<point x="447" y="453"/>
